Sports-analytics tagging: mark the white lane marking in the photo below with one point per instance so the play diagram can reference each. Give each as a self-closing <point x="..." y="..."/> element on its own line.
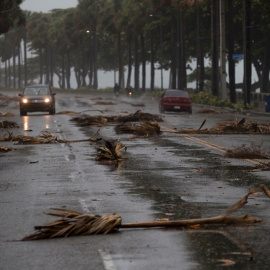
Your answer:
<point x="107" y="260"/>
<point x="84" y="205"/>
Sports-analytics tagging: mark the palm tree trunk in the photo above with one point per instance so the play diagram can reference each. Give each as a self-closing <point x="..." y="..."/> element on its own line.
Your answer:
<point x="129" y="63"/>
<point x="214" y="48"/>
<point x="95" y="85"/>
<point x="40" y="66"/>
<point x="143" y="63"/>
<point x="14" y="68"/>
<point x="231" y="52"/>
<point x="25" y="61"/>
<point x="152" y="83"/>
<point x="136" y="64"/>
<point x="19" y="65"/>
<point x="120" y="72"/>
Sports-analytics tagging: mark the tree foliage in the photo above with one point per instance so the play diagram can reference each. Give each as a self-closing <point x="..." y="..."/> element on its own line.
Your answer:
<point x="118" y="34"/>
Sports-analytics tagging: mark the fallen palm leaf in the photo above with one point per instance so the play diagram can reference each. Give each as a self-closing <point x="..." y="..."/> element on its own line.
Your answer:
<point x="8" y="124"/>
<point x="73" y="223"/>
<point x="4" y="149"/>
<point x="145" y="128"/>
<point x="244" y="151"/>
<point x="139" y="116"/>
<point x="68" y="112"/>
<point x="112" y="152"/>
<point x="87" y="120"/>
<point x="261" y="167"/>
<point x="265" y="189"/>
<point x="45" y="138"/>
<point x="233" y="127"/>
<point x="7" y="114"/>
<point x="209" y="111"/>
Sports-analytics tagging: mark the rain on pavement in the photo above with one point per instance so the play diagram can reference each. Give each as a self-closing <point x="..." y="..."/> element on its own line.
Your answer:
<point x="170" y="175"/>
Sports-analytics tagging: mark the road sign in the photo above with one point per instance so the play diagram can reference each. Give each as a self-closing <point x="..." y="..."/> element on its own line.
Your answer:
<point x="237" y="56"/>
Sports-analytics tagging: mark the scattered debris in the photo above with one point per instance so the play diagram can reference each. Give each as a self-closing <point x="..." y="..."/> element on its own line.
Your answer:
<point x="209" y="111"/>
<point x="68" y="112"/>
<point x="232" y="127"/>
<point x="244" y="151"/>
<point x="45" y="138"/>
<point x="139" y="116"/>
<point x="74" y="224"/>
<point x="8" y="124"/>
<point x="145" y="128"/>
<point x="87" y="120"/>
<point x="111" y="152"/>
<point x="261" y="167"/>
<point x="265" y="189"/>
<point x="6" y="114"/>
<point x="4" y="149"/>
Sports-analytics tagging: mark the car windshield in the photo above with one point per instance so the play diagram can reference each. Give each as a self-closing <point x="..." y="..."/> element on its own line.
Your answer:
<point x="175" y="93"/>
<point x="36" y="91"/>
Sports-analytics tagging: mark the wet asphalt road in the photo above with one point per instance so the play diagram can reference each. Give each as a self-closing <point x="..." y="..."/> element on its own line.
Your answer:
<point x="167" y="176"/>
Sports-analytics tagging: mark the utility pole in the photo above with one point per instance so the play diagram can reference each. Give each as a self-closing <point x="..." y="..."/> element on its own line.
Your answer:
<point x="222" y="51"/>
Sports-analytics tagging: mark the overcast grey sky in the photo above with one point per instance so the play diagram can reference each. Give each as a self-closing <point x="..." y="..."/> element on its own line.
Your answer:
<point x="47" y="5"/>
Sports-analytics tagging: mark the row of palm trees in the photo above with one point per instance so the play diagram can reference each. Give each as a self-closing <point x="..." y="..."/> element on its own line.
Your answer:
<point x="125" y="34"/>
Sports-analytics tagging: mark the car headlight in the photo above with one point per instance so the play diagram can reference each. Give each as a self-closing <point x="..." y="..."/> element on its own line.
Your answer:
<point x="25" y="100"/>
<point x="47" y="100"/>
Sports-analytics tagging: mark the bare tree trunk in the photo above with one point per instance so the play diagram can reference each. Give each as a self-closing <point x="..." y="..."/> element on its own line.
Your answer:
<point x="40" y="66"/>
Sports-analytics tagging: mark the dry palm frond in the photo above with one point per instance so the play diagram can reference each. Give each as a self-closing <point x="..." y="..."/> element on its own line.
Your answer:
<point x="8" y="124"/>
<point x="139" y="116"/>
<point x="45" y="138"/>
<point x="6" y="114"/>
<point x="111" y="151"/>
<point x="4" y="149"/>
<point x="68" y="112"/>
<point x="87" y="120"/>
<point x="261" y="167"/>
<point x="74" y="224"/>
<point x="210" y="111"/>
<point x="244" y="151"/>
<point x="233" y="127"/>
<point x="145" y="128"/>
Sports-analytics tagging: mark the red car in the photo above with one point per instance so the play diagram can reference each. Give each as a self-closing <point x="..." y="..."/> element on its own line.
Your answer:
<point x="175" y="100"/>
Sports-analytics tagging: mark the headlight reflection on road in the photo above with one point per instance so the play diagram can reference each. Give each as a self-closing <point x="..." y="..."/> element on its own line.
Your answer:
<point x="27" y="122"/>
<point x="47" y="121"/>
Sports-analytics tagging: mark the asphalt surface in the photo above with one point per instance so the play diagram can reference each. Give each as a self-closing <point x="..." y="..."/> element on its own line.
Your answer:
<point x="170" y="175"/>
